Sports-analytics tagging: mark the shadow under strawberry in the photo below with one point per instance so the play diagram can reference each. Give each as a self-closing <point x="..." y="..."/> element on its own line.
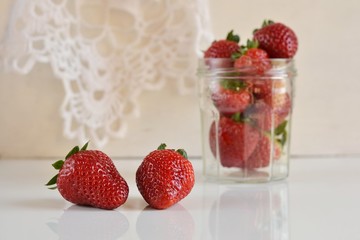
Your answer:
<point x="172" y="223"/>
<point x="81" y="222"/>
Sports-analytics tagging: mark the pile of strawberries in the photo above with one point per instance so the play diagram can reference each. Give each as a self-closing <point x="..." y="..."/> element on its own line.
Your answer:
<point x="253" y="105"/>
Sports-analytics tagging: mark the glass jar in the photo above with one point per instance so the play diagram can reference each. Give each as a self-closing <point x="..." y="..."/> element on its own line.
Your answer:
<point x="246" y="119"/>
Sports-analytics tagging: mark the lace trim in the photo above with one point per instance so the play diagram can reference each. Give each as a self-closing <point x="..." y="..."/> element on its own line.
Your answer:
<point x="106" y="53"/>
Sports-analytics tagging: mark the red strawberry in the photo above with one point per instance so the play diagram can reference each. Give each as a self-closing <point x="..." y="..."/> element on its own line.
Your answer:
<point x="236" y="141"/>
<point x="278" y="40"/>
<point x="266" y="116"/>
<point x="232" y="96"/>
<point x="253" y="59"/>
<point x="261" y="156"/>
<point x="280" y="103"/>
<point x="89" y="177"/>
<point x="278" y="147"/>
<point x="223" y="48"/>
<point x="272" y="102"/>
<point x="164" y="177"/>
<point x="262" y="87"/>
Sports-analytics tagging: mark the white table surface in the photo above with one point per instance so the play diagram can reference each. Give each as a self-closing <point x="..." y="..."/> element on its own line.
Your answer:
<point x="320" y="200"/>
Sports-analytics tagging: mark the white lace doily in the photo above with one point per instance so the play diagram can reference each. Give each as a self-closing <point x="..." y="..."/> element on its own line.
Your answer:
<point x="106" y="52"/>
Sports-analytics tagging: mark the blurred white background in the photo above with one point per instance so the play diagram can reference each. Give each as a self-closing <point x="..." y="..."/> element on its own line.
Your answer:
<point x="326" y="113"/>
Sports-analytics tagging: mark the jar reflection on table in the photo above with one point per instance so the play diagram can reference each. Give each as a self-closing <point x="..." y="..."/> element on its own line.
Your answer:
<point x="247" y="211"/>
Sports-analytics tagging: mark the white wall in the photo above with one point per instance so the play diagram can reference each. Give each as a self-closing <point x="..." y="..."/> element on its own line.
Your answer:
<point x="327" y="103"/>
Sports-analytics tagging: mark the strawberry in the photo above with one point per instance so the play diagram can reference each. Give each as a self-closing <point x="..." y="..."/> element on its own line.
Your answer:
<point x="278" y="147"/>
<point x="261" y="156"/>
<point x="252" y="59"/>
<point x="236" y="140"/>
<point x="164" y="177"/>
<point x="223" y="48"/>
<point x="262" y="87"/>
<point x="267" y="115"/>
<point x="277" y="39"/>
<point x="231" y="96"/>
<point x="279" y="102"/>
<point x="89" y="177"/>
<point x="269" y="148"/>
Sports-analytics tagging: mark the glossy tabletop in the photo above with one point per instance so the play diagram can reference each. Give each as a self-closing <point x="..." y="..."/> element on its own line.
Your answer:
<point x="320" y="200"/>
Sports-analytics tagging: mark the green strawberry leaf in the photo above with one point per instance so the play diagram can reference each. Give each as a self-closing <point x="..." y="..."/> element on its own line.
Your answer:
<point x="281" y="128"/>
<point x="283" y="138"/>
<point x="240" y="118"/>
<point x="85" y="146"/>
<point x="236" y="117"/>
<point x="52" y="182"/>
<point x="182" y="153"/>
<point x="236" y="55"/>
<point x="162" y="146"/>
<point x="233" y="37"/>
<point x="252" y="44"/>
<point x="58" y="164"/>
<point x="233" y="84"/>
<point x="72" y="152"/>
<point x="267" y="22"/>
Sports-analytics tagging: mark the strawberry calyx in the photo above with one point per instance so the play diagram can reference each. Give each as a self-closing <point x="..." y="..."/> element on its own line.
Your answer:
<point x="233" y="84"/>
<point x="240" y="118"/>
<point x="251" y="44"/>
<point x="265" y="23"/>
<point x="281" y="133"/>
<point x="233" y="37"/>
<point x="244" y="48"/>
<point x="182" y="152"/>
<point x="58" y="165"/>
<point x="162" y="146"/>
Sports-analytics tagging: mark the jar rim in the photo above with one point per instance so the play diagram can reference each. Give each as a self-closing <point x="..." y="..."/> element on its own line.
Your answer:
<point x="219" y="66"/>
